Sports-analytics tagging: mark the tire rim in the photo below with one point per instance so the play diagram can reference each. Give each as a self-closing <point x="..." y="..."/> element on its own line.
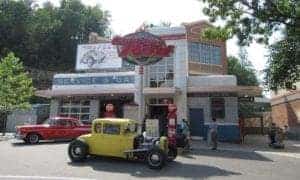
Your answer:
<point x="76" y="151"/>
<point x="154" y="159"/>
<point x="33" y="138"/>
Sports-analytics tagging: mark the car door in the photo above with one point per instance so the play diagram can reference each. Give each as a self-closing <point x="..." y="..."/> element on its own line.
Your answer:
<point x="64" y="129"/>
<point x="51" y="131"/>
<point x="111" y="142"/>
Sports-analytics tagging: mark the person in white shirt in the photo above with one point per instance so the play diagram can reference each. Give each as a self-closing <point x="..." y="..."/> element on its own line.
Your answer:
<point x="213" y="130"/>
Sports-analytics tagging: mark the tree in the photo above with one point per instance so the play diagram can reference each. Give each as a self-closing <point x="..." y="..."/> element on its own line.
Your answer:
<point x="16" y="87"/>
<point x="258" y="20"/>
<point x="243" y="71"/>
<point x="245" y="74"/>
<point x="46" y="37"/>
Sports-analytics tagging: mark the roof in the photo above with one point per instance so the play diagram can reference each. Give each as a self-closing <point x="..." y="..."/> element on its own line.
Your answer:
<point x="115" y="120"/>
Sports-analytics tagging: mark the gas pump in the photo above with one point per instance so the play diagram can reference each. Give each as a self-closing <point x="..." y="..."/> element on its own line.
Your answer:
<point x="172" y="124"/>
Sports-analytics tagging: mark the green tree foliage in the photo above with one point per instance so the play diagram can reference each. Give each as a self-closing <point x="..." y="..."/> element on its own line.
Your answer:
<point x="46" y="37"/>
<point x="258" y="20"/>
<point x="243" y="70"/>
<point x="15" y="85"/>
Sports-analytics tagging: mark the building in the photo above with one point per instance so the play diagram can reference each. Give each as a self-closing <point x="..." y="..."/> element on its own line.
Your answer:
<point x="37" y="114"/>
<point x="194" y="78"/>
<point x="286" y="109"/>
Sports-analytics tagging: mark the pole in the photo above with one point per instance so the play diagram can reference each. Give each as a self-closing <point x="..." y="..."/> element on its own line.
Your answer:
<point x="141" y="98"/>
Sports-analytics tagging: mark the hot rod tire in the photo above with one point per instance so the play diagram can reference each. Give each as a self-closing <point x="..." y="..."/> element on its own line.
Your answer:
<point x="78" y="151"/>
<point x="172" y="154"/>
<point x="156" y="159"/>
<point x="32" y="138"/>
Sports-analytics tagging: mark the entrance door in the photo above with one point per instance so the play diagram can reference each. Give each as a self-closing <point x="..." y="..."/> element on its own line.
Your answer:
<point x="197" y="122"/>
<point x="159" y="112"/>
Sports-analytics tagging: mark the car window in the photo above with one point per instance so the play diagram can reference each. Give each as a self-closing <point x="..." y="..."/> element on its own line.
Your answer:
<point x="98" y="128"/>
<point x="62" y="122"/>
<point x="111" y="129"/>
<point x="52" y="122"/>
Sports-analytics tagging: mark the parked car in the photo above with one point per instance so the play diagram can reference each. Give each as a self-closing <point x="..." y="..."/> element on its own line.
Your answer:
<point x="52" y="129"/>
<point x="120" y="138"/>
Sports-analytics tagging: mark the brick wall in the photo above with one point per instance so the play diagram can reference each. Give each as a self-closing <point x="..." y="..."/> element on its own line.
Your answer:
<point x="286" y="110"/>
<point x="193" y="32"/>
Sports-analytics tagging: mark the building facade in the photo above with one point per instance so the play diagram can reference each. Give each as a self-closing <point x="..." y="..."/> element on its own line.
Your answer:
<point x="194" y="78"/>
<point x="286" y="109"/>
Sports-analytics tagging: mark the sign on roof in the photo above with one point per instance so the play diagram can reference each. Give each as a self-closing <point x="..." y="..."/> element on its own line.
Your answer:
<point x="97" y="56"/>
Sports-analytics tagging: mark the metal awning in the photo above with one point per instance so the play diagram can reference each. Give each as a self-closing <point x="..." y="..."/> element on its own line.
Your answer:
<point x="240" y="90"/>
<point x="82" y="92"/>
<point x="161" y="91"/>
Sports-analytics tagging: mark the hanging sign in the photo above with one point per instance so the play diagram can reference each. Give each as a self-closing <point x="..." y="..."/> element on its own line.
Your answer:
<point x="97" y="56"/>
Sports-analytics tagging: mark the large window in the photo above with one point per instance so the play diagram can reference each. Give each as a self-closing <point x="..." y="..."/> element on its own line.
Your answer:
<point x="218" y="107"/>
<point x="161" y="74"/>
<point x="79" y="109"/>
<point x="204" y="53"/>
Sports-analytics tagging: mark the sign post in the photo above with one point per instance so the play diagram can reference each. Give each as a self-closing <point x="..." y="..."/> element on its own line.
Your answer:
<point x="141" y="48"/>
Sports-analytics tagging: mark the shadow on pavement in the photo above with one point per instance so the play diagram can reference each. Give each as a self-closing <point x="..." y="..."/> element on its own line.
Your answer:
<point x="139" y="169"/>
<point x="231" y="154"/>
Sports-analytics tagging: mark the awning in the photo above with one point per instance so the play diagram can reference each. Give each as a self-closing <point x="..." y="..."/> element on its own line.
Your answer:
<point x="240" y="90"/>
<point x="82" y="92"/>
<point x="161" y="91"/>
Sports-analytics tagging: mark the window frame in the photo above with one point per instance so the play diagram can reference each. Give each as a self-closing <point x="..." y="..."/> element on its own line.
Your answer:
<point x="104" y="131"/>
<point x="217" y="112"/>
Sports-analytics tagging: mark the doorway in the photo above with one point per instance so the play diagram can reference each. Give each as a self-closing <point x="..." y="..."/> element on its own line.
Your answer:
<point x="197" y="122"/>
<point x="159" y="112"/>
<point x="118" y="105"/>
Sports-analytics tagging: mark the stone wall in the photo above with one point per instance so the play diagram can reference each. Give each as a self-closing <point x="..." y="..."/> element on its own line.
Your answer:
<point x="131" y="112"/>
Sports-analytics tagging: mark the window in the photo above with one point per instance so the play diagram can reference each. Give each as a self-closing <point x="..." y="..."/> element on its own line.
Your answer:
<point x="161" y="74"/>
<point x="204" y="53"/>
<point x="218" y="107"/>
<point x="79" y="109"/>
<point x="113" y="129"/>
<point x="98" y="128"/>
<point x="160" y="101"/>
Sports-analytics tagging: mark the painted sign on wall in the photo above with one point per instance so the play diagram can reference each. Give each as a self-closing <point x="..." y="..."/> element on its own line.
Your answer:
<point x="96" y="80"/>
<point x="97" y="56"/>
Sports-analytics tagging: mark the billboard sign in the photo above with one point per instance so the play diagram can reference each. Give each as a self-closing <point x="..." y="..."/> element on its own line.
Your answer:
<point x="97" y="56"/>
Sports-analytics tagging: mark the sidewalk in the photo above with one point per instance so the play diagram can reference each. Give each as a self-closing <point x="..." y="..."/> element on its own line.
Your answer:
<point x="7" y="136"/>
<point x="253" y="143"/>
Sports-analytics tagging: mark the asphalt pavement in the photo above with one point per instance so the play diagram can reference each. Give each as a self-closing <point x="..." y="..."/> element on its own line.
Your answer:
<point x="49" y="160"/>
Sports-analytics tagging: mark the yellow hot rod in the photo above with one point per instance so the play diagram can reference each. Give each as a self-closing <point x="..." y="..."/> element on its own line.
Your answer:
<point x="119" y="138"/>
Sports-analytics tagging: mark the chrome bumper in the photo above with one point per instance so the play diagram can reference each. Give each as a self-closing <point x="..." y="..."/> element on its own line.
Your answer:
<point x="19" y="136"/>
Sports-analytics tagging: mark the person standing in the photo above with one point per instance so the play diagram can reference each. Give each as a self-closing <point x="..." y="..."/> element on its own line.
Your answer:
<point x="272" y="133"/>
<point x="213" y="131"/>
<point x="186" y="132"/>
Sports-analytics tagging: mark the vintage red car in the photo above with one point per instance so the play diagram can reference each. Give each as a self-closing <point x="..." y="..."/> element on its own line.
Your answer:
<point x="56" y="128"/>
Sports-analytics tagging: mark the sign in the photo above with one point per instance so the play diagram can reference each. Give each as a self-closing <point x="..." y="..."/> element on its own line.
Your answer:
<point x="152" y="127"/>
<point x="94" y="80"/>
<point x="97" y="56"/>
<point x="246" y="99"/>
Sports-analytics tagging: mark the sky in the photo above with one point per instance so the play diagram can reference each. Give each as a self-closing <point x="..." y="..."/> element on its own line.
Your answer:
<point x="128" y="15"/>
